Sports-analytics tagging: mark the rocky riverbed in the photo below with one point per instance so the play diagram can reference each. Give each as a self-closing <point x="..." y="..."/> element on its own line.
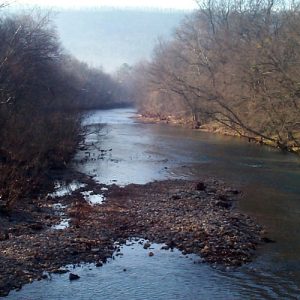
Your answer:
<point x="195" y="217"/>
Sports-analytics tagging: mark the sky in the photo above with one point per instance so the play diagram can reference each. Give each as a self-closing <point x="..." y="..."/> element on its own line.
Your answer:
<point x="110" y="38"/>
<point x="173" y="4"/>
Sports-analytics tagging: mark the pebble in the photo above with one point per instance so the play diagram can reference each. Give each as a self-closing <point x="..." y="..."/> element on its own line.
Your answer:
<point x="99" y="264"/>
<point x="147" y="245"/>
<point x="60" y="271"/>
<point x="73" y="277"/>
<point x="192" y="221"/>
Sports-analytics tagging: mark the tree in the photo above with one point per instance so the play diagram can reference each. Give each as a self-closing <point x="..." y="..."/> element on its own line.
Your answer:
<point x="42" y="91"/>
<point x="235" y="63"/>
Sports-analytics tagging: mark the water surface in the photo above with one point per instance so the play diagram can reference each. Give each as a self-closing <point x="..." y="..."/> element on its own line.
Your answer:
<point x="125" y="151"/>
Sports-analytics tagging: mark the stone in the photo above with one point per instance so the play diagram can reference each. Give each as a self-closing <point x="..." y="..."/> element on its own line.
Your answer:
<point x="73" y="277"/>
<point x="200" y="186"/>
<point x="233" y="191"/>
<point x="223" y="204"/>
<point x="165" y="248"/>
<point x="60" y="271"/>
<point x="36" y="226"/>
<point x="223" y="197"/>
<point x="147" y="245"/>
<point x="95" y="249"/>
<point x="267" y="240"/>
<point x="4" y="236"/>
<point x="171" y="244"/>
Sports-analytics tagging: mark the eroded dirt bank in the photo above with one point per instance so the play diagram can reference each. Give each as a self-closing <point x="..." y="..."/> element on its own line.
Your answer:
<point x="195" y="217"/>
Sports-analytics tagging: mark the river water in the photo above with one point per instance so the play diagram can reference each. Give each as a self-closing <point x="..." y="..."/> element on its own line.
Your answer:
<point x="126" y="151"/>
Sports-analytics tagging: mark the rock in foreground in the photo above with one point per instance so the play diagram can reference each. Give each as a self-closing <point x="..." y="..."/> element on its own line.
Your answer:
<point x="194" y="217"/>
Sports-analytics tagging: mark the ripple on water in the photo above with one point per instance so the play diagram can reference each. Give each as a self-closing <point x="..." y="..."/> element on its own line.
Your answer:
<point x="141" y="152"/>
<point x="166" y="275"/>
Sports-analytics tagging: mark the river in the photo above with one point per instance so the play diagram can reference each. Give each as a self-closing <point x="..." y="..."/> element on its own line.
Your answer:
<point x="139" y="153"/>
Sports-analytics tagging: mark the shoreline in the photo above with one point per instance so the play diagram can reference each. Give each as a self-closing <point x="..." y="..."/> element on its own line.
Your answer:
<point x="211" y="128"/>
<point x="195" y="217"/>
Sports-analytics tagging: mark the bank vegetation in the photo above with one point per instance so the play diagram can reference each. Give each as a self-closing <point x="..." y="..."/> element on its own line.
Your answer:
<point x="232" y="64"/>
<point x="42" y="93"/>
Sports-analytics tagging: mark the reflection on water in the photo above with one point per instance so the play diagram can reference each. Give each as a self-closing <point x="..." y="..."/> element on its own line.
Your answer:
<point x="92" y="198"/>
<point x="126" y="151"/>
<point x="62" y="189"/>
<point x="166" y="275"/>
<point x="64" y="223"/>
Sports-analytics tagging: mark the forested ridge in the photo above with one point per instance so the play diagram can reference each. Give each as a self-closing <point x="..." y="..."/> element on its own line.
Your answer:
<point x="231" y="64"/>
<point x="42" y="93"/>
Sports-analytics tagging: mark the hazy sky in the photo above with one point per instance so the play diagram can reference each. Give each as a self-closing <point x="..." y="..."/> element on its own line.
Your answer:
<point x="109" y="38"/>
<point x="176" y="4"/>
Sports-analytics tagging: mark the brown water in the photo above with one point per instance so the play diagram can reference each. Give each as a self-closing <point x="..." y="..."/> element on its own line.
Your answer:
<point x="269" y="179"/>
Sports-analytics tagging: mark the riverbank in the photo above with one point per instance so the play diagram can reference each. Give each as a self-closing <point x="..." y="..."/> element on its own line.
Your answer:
<point x="195" y="217"/>
<point x="212" y="127"/>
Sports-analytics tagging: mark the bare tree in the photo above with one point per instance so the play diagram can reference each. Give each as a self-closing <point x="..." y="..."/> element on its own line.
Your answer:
<point x="41" y="92"/>
<point x="235" y="62"/>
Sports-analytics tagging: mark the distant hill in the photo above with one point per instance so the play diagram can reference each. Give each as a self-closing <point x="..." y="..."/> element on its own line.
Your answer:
<point x="112" y="37"/>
